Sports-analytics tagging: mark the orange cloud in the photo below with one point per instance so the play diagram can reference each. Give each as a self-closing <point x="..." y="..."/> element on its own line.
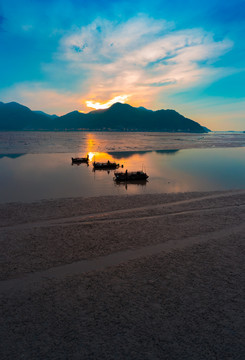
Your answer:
<point x="143" y="57"/>
<point x="99" y="105"/>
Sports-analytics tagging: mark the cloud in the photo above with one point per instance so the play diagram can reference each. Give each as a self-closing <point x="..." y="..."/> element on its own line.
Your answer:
<point x="143" y="57"/>
<point x="37" y="96"/>
<point x="98" y="105"/>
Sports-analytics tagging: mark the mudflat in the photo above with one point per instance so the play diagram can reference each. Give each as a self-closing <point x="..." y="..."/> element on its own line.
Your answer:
<point x="28" y="142"/>
<point x="124" y="277"/>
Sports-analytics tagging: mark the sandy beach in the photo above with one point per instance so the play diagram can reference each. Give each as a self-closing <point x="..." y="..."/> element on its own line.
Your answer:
<point x="124" y="277"/>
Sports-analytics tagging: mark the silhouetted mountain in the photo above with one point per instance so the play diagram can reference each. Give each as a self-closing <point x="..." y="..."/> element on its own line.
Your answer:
<point x="53" y="116"/>
<point x="119" y="117"/>
<point x="123" y="117"/>
<point x="207" y="130"/>
<point x="143" y="108"/>
<point x="72" y="121"/>
<point x="14" y="116"/>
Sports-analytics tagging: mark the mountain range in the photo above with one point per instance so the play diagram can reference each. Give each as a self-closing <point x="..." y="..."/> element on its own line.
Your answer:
<point x="119" y="117"/>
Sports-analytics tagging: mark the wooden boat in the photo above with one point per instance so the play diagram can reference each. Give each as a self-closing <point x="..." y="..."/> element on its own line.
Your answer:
<point x="80" y="160"/>
<point x="105" y="166"/>
<point x="130" y="176"/>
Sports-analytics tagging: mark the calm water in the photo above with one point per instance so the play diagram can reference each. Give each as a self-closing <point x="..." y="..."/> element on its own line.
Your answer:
<point x="49" y="174"/>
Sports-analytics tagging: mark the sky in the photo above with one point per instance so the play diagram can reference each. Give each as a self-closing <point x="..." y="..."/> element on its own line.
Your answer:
<point x="59" y="56"/>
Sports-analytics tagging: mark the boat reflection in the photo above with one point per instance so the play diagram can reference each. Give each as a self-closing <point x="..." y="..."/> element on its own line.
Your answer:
<point x="108" y="171"/>
<point x="125" y="184"/>
<point x="79" y="163"/>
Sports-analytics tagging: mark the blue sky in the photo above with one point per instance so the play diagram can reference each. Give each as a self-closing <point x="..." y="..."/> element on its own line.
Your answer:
<point x="58" y="56"/>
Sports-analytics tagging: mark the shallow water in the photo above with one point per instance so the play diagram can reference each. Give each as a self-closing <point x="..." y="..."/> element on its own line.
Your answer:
<point x="29" y="177"/>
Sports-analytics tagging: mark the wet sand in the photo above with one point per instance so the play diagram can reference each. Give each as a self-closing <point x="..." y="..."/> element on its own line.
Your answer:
<point x="124" y="277"/>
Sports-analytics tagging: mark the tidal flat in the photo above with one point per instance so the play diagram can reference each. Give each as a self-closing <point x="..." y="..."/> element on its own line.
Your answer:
<point x="31" y="142"/>
<point x="154" y="276"/>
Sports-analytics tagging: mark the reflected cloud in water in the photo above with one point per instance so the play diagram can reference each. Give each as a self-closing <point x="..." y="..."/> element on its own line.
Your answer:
<point x="128" y="154"/>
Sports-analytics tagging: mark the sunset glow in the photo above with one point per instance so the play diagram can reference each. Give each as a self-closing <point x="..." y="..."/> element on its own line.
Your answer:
<point x="98" y="105"/>
<point x="158" y="55"/>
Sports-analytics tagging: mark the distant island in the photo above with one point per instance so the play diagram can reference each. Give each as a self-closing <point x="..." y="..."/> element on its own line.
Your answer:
<point x="119" y="117"/>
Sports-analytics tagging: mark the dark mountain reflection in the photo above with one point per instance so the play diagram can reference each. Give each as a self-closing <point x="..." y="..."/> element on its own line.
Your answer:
<point x="11" y="156"/>
<point x="167" y="152"/>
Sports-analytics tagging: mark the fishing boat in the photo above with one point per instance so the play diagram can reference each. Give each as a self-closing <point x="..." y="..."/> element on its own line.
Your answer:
<point x="130" y="176"/>
<point x="78" y="160"/>
<point x="105" y="166"/>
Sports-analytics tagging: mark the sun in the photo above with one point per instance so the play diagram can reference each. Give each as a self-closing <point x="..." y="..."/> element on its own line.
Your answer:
<point x="98" y="105"/>
<point x="91" y="156"/>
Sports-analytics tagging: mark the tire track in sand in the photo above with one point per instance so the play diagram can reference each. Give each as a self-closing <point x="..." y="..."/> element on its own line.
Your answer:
<point x="38" y="278"/>
<point x="103" y="215"/>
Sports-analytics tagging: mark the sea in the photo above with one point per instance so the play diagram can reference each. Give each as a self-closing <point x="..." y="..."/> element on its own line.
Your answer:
<point x="37" y="165"/>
